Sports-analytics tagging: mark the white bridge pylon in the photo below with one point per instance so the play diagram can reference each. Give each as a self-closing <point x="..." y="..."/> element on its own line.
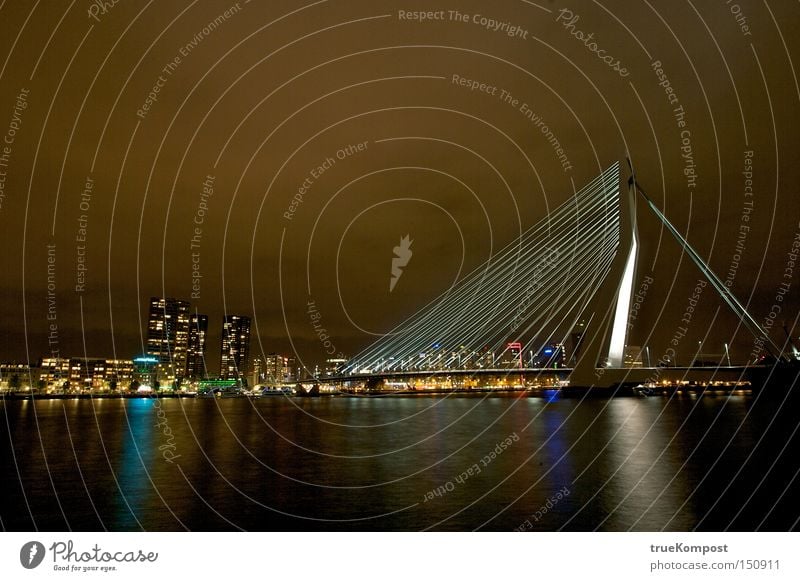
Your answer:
<point x="619" y="326"/>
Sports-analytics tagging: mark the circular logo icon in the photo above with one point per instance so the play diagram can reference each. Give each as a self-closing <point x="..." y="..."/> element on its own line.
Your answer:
<point x="31" y="554"/>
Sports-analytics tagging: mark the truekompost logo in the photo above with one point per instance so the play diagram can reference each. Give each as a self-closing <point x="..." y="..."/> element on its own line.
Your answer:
<point x="31" y="554"/>
<point x="402" y="254"/>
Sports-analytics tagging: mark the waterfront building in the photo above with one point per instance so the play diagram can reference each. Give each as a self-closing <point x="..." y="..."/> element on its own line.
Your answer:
<point x="196" y="348"/>
<point x="55" y="371"/>
<point x="512" y="355"/>
<point x="17" y="376"/>
<point x="98" y="373"/>
<point x="257" y="374"/>
<point x="168" y="336"/>
<point x="144" y="372"/>
<point x="334" y="366"/>
<point x="235" y="346"/>
<point x="550" y="356"/>
<point x="278" y="368"/>
<point x="118" y="374"/>
<point x="574" y="343"/>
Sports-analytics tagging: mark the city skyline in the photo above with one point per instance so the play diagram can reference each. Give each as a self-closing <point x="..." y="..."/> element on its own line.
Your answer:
<point x="107" y="229"/>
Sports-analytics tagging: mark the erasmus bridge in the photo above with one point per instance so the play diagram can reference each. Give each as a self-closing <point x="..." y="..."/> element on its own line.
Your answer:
<point x="528" y="315"/>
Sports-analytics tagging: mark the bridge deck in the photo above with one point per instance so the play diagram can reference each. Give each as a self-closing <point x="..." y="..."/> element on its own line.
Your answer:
<point x="605" y="375"/>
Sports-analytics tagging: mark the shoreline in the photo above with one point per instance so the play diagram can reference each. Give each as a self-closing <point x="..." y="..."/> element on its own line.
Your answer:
<point x="562" y="392"/>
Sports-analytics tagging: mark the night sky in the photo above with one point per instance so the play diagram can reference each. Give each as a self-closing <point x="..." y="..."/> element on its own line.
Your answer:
<point x="119" y="117"/>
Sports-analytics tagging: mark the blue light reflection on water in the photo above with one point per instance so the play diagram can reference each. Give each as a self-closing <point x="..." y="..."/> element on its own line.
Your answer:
<point x="368" y="463"/>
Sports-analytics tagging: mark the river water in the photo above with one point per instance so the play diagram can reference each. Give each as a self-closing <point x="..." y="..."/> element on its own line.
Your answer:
<point x="400" y="463"/>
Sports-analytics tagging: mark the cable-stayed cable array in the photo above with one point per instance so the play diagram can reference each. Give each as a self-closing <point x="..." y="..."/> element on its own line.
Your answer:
<point x="532" y="292"/>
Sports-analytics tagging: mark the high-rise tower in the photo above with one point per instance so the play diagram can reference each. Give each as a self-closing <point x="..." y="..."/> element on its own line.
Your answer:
<point x="235" y="346"/>
<point x="196" y="352"/>
<point x="168" y="335"/>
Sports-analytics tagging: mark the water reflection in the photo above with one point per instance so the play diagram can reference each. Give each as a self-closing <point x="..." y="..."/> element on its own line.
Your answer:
<point x="354" y="464"/>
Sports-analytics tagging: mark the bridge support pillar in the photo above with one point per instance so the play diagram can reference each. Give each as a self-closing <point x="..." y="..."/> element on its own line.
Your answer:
<point x="619" y="327"/>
